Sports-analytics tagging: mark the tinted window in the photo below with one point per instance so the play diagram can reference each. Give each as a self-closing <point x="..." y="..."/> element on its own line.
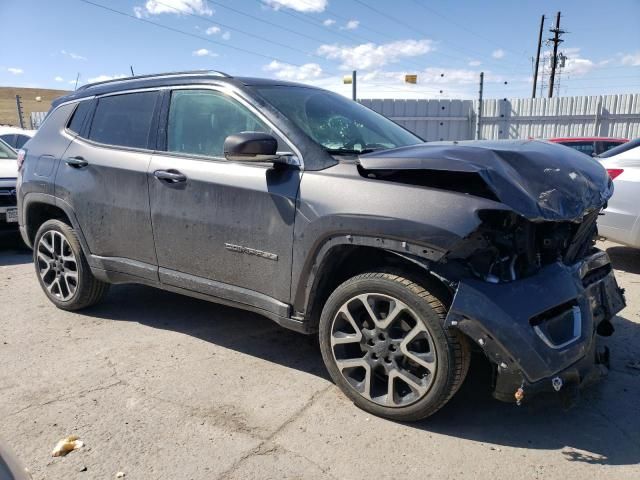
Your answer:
<point x="621" y="148"/>
<point x="124" y="120"/>
<point x="77" y="119"/>
<point x="584" y="147"/>
<point x="21" y="140"/>
<point x="200" y="120"/>
<point x="609" y="145"/>
<point x="9" y="139"/>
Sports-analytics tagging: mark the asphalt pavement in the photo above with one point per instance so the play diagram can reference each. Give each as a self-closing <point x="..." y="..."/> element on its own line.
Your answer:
<point x="161" y="386"/>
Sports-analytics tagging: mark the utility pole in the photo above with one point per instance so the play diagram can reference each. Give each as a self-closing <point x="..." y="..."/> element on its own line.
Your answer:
<point x="535" y="73"/>
<point x="19" y="111"/>
<point x="479" y="122"/>
<point x="353" y="86"/>
<point x="554" y="59"/>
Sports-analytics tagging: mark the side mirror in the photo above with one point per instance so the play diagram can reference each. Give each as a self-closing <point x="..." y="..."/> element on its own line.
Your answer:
<point x="251" y="147"/>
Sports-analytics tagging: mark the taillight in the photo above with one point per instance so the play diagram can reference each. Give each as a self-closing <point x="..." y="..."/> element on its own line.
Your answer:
<point x="614" y="172"/>
<point x="22" y="153"/>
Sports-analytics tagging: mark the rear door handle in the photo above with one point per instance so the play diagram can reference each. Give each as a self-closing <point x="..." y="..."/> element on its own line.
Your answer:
<point x="76" y="162"/>
<point x="170" y="176"/>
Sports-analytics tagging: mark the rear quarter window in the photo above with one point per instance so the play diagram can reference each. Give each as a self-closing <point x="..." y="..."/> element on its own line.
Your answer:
<point x="124" y="120"/>
<point x="78" y="117"/>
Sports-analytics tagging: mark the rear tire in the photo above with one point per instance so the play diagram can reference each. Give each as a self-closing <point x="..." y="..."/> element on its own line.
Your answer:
<point x="384" y="344"/>
<point x="62" y="268"/>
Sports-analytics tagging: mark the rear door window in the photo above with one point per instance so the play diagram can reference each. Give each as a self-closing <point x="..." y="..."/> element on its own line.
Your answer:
<point x="124" y="120"/>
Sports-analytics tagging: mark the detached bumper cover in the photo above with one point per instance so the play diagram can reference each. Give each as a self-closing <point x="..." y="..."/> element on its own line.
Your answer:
<point x="540" y="326"/>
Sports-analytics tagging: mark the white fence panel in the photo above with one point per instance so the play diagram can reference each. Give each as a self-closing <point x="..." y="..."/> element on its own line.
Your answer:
<point x="603" y="116"/>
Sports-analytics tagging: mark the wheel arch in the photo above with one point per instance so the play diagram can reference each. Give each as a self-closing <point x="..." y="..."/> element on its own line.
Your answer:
<point x="337" y="261"/>
<point x="38" y="208"/>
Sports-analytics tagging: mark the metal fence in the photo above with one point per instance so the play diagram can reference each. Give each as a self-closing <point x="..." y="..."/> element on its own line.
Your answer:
<point x="603" y="116"/>
<point x="36" y="119"/>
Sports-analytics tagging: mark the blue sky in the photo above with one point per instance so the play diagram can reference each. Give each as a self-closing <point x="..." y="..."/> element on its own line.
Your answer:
<point x="46" y="43"/>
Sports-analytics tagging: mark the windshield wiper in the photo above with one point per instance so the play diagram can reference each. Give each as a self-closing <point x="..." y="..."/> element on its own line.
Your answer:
<point x="350" y="151"/>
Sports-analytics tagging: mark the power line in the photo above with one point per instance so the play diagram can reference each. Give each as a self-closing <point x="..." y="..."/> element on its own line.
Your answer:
<point x="249" y="34"/>
<point x="464" y="27"/>
<point x="415" y="30"/>
<point x="188" y="34"/>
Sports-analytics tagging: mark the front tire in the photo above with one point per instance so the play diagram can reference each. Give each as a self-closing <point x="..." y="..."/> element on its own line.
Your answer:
<point x="62" y="268"/>
<point x="384" y="344"/>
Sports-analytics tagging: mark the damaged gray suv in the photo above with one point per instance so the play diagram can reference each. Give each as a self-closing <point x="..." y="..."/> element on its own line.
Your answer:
<point x="327" y="218"/>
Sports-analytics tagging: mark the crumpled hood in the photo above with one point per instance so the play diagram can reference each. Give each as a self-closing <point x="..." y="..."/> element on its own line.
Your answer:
<point x="539" y="180"/>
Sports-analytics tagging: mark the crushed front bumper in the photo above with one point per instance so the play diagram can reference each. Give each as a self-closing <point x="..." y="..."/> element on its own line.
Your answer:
<point x="541" y="331"/>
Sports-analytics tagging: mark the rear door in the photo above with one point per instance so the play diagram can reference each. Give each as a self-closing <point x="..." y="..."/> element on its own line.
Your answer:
<point x="220" y="224"/>
<point x="103" y="176"/>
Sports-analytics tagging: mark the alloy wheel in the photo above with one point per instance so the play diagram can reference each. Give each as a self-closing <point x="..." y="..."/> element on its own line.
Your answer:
<point x="57" y="265"/>
<point x="383" y="350"/>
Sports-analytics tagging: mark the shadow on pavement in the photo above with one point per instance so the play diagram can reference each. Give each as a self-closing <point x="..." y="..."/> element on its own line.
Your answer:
<point x="228" y="327"/>
<point x="625" y="258"/>
<point x="13" y="251"/>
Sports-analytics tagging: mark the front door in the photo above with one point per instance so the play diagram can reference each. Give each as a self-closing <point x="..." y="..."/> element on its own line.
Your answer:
<point x="220" y="224"/>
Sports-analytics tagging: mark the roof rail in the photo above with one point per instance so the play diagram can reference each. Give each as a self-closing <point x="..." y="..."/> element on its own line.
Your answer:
<point x="154" y="75"/>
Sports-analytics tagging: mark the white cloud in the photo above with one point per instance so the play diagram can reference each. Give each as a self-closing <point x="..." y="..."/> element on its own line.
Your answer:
<point x="203" y="52"/>
<point x="60" y="79"/>
<point x="15" y="71"/>
<point x="298" y="5"/>
<point x="216" y="31"/>
<point x="328" y="22"/>
<point x="351" y="25"/>
<point x="156" y="7"/>
<point x="72" y="55"/>
<point x="474" y="63"/>
<point x="285" y="71"/>
<point x="371" y="56"/>
<point x="103" y="78"/>
<point x="631" y="60"/>
<point x="499" y="53"/>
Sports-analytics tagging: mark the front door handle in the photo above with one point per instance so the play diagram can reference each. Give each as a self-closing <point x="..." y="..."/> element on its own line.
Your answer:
<point x="170" y="176"/>
<point x="76" y="162"/>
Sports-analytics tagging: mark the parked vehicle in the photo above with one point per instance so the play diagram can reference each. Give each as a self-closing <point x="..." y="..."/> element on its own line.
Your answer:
<point x="326" y="217"/>
<point x="16" y="137"/>
<point x="8" y="178"/>
<point x="621" y="219"/>
<point x="591" y="146"/>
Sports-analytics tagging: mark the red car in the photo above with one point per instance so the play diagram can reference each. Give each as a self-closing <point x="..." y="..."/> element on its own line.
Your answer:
<point x="591" y="146"/>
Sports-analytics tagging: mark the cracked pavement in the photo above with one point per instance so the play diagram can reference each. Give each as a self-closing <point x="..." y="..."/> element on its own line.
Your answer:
<point x="162" y="386"/>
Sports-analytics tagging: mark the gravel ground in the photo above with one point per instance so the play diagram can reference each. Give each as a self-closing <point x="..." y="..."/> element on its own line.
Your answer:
<point x="161" y="386"/>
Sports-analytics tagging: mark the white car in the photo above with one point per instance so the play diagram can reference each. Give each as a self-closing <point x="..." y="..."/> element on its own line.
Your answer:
<point x="16" y="137"/>
<point x="621" y="220"/>
<point x="8" y="179"/>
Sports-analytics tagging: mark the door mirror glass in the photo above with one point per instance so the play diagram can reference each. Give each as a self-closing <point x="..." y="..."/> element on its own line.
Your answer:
<point x="251" y="147"/>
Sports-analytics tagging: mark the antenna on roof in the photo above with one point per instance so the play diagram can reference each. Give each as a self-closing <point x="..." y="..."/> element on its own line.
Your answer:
<point x="77" y="78"/>
<point x="132" y="74"/>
